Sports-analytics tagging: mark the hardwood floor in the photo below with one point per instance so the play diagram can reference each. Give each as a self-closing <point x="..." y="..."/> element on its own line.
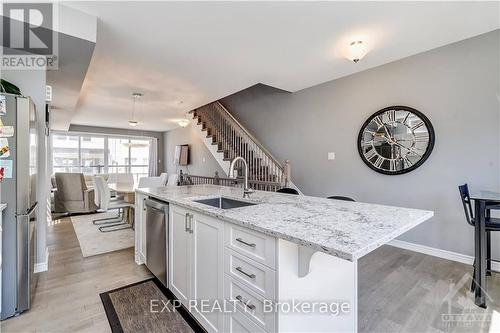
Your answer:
<point x="399" y="290"/>
<point x="67" y="296"/>
<point x="405" y="291"/>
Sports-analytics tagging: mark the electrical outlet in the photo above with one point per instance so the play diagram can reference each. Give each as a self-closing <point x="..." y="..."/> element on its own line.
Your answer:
<point x="331" y="156"/>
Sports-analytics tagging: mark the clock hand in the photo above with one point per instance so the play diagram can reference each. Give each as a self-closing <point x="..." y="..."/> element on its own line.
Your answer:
<point x="387" y="131"/>
<point x="400" y="145"/>
<point x="410" y="149"/>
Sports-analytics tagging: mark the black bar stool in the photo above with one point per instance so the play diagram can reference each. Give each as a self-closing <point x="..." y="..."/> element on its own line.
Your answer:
<point x="288" y="190"/>
<point x="492" y="224"/>
<point x="339" y="197"/>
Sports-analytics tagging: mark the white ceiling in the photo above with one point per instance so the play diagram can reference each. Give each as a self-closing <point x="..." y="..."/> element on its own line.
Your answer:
<point x="185" y="54"/>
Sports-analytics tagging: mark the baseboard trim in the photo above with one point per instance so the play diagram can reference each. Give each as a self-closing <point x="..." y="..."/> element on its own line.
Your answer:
<point x="435" y="252"/>
<point x="139" y="259"/>
<point x="43" y="266"/>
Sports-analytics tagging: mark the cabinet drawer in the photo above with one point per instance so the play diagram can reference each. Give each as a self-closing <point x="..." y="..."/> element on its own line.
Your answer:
<point x="257" y="277"/>
<point x="249" y="303"/>
<point x="253" y="244"/>
<point x="237" y="322"/>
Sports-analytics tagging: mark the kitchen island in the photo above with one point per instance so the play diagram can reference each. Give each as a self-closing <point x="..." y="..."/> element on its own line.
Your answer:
<point x="276" y="251"/>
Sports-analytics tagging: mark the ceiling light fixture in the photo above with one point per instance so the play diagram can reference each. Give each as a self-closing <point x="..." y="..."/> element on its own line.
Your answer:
<point x="183" y="122"/>
<point x="357" y="50"/>
<point x="132" y="122"/>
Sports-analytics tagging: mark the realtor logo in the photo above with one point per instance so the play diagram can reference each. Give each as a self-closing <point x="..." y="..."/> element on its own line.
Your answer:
<point x="27" y="27"/>
<point x="461" y="309"/>
<point x="28" y="36"/>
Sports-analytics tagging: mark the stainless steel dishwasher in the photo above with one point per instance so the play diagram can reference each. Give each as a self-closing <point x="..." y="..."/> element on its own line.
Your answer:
<point x="157" y="238"/>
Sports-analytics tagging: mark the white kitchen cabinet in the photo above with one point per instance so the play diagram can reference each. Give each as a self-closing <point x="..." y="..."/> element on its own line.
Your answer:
<point x="212" y="259"/>
<point x="196" y="264"/>
<point x="239" y="323"/>
<point x="261" y="279"/>
<point x="252" y="244"/>
<point x="180" y="254"/>
<point x="207" y="273"/>
<point x="249" y="303"/>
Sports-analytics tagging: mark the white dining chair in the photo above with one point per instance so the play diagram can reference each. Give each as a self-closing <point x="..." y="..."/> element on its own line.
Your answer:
<point x="124" y="178"/>
<point x="107" y="204"/>
<point x="164" y="178"/>
<point x="101" y="203"/>
<point x="172" y="180"/>
<point x="151" y="182"/>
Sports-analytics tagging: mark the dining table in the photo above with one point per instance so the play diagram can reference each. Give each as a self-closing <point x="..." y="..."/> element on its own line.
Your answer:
<point x="482" y="199"/>
<point x="127" y="191"/>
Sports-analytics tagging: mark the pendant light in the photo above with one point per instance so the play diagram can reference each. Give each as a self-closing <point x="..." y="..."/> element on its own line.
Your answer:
<point x="132" y="122"/>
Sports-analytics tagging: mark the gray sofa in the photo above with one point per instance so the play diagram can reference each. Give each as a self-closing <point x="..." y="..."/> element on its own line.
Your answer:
<point x="72" y="195"/>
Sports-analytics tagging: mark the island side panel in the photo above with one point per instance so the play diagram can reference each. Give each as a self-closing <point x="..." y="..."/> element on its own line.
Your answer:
<point x="329" y="280"/>
<point x="140" y="229"/>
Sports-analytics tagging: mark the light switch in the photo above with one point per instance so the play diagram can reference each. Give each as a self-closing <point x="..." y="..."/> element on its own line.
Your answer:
<point x="203" y="159"/>
<point x="331" y="156"/>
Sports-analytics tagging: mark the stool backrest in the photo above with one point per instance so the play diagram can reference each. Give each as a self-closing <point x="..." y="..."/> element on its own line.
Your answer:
<point x="124" y="178"/>
<point x="464" y="195"/>
<point x="150" y="182"/>
<point x="287" y="190"/>
<point x="339" y="197"/>
<point x="172" y="180"/>
<point x="164" y="178"/>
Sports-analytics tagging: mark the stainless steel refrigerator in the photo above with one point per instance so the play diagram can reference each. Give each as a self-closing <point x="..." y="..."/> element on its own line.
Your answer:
<point x="19" y="218"/>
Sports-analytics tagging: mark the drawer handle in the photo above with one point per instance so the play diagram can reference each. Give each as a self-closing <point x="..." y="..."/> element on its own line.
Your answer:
<point x="239" y="269"/>
<point x="248" y="305"/>
<point x="243" y="242"/>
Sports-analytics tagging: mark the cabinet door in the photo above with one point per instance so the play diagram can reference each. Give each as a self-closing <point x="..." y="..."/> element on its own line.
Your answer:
<point x="180" y="255"/>
<point x="208" y="259"/>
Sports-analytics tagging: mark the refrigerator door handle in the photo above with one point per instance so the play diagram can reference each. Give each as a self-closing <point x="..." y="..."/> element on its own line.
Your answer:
<point x="28" y="213"/>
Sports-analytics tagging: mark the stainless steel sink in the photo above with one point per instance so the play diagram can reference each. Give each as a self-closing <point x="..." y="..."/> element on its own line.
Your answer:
<point x="224" y="203"/>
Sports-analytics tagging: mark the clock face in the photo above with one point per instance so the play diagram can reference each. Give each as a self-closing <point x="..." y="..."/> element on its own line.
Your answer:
<point x="396" y="140"/>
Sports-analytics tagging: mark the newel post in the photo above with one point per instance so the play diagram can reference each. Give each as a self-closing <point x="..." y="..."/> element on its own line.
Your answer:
<point x="287" y="173"/>
<point x="181" y="178"/>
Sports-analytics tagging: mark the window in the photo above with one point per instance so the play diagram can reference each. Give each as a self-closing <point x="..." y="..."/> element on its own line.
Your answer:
<point x="96" y="154"/>
<point x="92" y="153"/>
<point x="65" y="153"/>
<point x="139" y="157"/>
<point x="118" y="157"/>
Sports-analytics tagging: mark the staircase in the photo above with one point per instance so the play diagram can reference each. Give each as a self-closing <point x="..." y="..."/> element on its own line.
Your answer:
<point x="226" y="138"/>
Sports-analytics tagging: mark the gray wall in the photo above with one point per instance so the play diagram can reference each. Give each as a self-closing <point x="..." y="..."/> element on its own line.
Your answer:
<point x="125" y="132"/>
<point x="32" y="84"/>
<point x="202" y="163"/>
<point x="456" y="86"/>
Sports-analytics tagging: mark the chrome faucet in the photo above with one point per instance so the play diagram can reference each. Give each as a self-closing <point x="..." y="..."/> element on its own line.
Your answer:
<point x="246" y="190"/>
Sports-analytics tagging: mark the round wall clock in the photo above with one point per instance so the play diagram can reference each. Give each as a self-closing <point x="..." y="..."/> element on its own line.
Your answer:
<point x="396" y="140"/>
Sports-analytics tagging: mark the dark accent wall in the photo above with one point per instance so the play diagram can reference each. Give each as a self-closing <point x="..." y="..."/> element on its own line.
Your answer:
<point x="455" y="86"/>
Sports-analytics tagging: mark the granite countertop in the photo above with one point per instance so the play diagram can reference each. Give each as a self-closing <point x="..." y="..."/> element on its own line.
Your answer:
<point x="2" y="206"/>
<point x="348" y="230"/>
